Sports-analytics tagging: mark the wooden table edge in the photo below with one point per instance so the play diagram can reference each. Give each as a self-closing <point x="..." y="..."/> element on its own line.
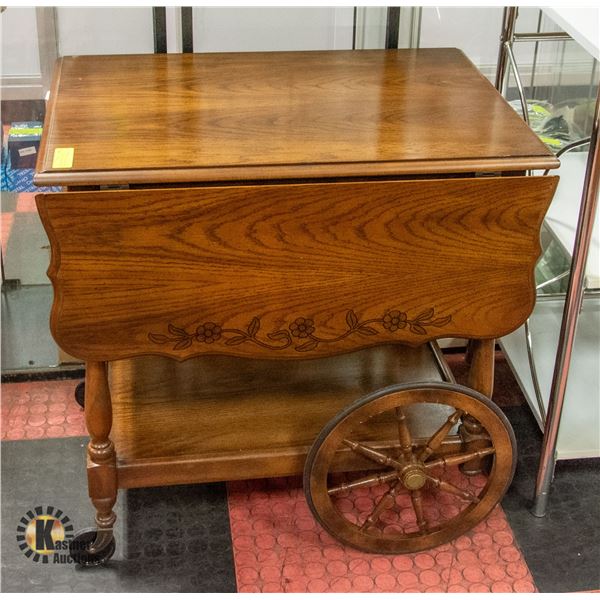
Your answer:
<point x="281" y="172"/>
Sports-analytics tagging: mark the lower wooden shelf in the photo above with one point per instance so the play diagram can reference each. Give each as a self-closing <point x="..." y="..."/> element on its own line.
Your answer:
<point x="220" y="418"/>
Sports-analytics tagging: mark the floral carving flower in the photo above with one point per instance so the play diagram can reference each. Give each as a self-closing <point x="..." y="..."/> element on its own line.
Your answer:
<point x="302" y="327"/>
<point x="394" y="320"/>
<point x="208" y="333"/>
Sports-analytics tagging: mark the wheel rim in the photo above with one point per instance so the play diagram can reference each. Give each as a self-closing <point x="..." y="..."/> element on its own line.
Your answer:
<point x="410" y="481"/>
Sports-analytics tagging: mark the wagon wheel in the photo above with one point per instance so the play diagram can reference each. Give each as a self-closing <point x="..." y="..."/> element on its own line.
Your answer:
<point x="383" y="475"/>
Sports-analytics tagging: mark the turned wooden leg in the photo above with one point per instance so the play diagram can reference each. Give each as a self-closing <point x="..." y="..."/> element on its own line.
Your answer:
<point x="481" y="379"/>
<point x="101" y="459"/>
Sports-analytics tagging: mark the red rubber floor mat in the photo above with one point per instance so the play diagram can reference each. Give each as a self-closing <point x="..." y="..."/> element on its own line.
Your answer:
<point x="26" y="202"/>
<point x="6" y="220"/>
<point x="279" y="547"/>
<point x="34" y="410"/>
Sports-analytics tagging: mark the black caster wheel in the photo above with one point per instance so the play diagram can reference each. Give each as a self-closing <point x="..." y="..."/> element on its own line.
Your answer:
<point x="79" y="549"/>
<point x="80" y="394"/>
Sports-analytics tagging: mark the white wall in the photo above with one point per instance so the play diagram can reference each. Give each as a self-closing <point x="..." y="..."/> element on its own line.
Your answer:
<point x="94" y="30"/>
<point x="20" y="62"/>
<point x="235" y="29"/>
<point x="19" y="55"/>
<point x="122" y="30"/>
<point x="475" y="30"/>
<point x="31" y="37"/>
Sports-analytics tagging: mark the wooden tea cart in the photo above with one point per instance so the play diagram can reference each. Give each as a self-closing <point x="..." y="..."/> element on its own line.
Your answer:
<point x="255" y="254"/>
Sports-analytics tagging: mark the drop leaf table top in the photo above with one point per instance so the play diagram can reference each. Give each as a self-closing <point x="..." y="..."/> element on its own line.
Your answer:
<point x="176" y="118"/>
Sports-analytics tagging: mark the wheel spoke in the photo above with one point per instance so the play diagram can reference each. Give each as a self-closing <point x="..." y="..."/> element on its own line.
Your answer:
<point x="387" y="501"/>
<point x="452" y="489"/>
<point x="435" y="441"/>
<point x="373" y="454"/>
<point x="459" y="459"/>
<point x="404" y="435"/>
<point x="417" y="503"/>
<point x="364" y="481"/>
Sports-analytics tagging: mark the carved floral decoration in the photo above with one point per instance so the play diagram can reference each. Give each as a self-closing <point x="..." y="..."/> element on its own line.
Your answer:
<point x="301" y="332"/>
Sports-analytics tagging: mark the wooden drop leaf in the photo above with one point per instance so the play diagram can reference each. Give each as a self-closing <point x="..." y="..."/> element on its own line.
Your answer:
<point x="351" y="319"/>
<point x="416" y="328"/>
<point x="425" y="315"/>
<point x="441" y="321"/>
<point x="158" y="338"/>
<point x="279" y="336"/>
<point x="177" y="331"/>
<point x="181" y="345"/>
<point x="367" y="330"/>
<point x="307" y="346"/>
<point x="253" y="327"/>
<point x="234" y="341"/>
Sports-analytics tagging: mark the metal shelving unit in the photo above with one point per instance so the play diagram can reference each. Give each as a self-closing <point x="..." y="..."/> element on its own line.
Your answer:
<point x="579" y="435"/>
<point x="556" y="356"/>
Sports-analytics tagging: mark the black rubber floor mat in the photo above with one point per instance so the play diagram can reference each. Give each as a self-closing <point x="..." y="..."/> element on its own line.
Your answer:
<point x="562" y="549"/>
<point x="170" y="539"/>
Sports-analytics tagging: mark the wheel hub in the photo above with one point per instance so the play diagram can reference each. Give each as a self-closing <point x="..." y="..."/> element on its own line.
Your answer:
<point x="413" y="478"/>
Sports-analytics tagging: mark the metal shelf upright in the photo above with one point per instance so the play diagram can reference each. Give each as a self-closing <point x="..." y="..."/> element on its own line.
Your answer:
<point x="573" y="301"/>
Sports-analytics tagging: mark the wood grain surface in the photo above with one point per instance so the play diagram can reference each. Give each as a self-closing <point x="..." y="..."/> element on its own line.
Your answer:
<point x="278" y="115"/>
<point x="101" y="457"/>
<point x="291" y="271"/>
<point x="216" y="418"/>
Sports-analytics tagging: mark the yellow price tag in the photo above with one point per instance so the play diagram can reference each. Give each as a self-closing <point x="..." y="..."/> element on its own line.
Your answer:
<point x="63" y="158"/>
